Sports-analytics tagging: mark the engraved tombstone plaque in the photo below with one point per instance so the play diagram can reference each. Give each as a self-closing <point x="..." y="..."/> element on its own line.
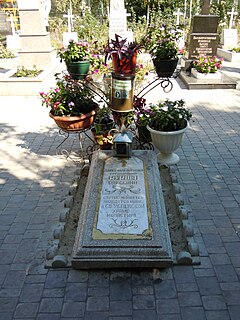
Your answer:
<point x="123" y="220"/>
<point x="123" y="206"/>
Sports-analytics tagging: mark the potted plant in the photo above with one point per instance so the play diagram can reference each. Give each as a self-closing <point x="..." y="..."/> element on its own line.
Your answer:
<point x="142" y="115"/>
<point x="72" y="104"/>
<point x="162" y="44"/>
<point x="167" y="124"/>
<point x="7" y="58"/>
<point x="207" y="66"/>
<point x="103" y="125"/>
<point x="77" y="57"/>
<point x="123" y="54"/>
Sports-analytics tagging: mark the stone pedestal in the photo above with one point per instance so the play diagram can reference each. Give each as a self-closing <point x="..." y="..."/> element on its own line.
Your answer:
<point x="35" y="43"/>
<point x="123" y="220"/>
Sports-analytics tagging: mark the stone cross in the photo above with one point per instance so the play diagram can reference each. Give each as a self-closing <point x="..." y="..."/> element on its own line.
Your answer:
<point x="70" y="17"/>
<point x="178" y="14"/>
<point x="12" y="23"/>
<point x="205" y="7"/>
<point x="232" y="14"/>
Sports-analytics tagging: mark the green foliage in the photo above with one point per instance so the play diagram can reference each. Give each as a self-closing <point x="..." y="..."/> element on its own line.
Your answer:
<point x="74" y="52"/>
<point x="207" y="65"/>
<point x="169" y="116"/>
<point x="5" y="53"/>
<point x="29" y="73"/>
<point x="237" y="50"/>
<point x="69" y="98"/>
<point x="161" y="42"/>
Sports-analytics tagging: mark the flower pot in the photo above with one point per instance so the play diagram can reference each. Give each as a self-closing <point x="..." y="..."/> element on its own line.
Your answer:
<point x="206" y="76"/>
<point x="124" y="66"/>
<point x="143" y="134"/>
<point x="167" y="143"/>
<point x="76" y="123"/>
<point x="165" y="68"/>
<point x="78" y="70"/>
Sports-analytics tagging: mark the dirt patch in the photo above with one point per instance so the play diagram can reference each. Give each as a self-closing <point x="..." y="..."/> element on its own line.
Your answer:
<point x="178" y="239"/>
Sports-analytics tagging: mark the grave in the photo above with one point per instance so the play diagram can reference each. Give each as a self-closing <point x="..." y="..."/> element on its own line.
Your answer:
<point x="35" y="43"/>
<point x="123" y="220"/>
<point x="35" y="50"/>
<point x="5" y="25"/>
<point x="203" y="40"/>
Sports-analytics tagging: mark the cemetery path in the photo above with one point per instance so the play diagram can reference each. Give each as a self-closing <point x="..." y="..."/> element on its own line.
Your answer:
<point x="34" y="184"/>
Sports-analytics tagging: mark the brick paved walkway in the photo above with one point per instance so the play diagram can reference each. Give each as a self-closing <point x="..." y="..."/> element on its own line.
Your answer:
<point x="34" y="183"/>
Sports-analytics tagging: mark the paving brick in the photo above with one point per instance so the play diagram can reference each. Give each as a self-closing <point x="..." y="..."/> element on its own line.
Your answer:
<point x="225" y="273"/>
<point x="232" y="297"/>
<point x="76" y="291"/>
<point x="73" y="309"/>
<point x="120" y="308"/>
<point x="48" y="316"/>
<point x="98" y="278"/>
<point x="190" y="313"/>
<point x="220" y="259"/>
<point x="143" y="302"/>
<point x="31" y="293"/>
<point x="56" y="279"/>
<point x="143" y="314"/>
<point x="167" y="306"/>
<point x="165" y="289"/>
<point x="183" y="274"/>
<point x="214" y="303"/>
<point x="51" y="305"/>
<point x="190" y="299"/>
<point x="96" y="315"/>
<point x="98" y="291"/>
<point x="97" y="303"/>
<point x="142" y="290"/>
<point x="77" y="276"/>
<point x="208" y="286"/>
<point x="14" y="279"/>
<point x="217" y="315"/>
<point x="53" y="293"/>
<point x="6" y="316"/>
<point x="234" y="312"/>
<point x="120" y="290"/>
<point x="26" y="310"/>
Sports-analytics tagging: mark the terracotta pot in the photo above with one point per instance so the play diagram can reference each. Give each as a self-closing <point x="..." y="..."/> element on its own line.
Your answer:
<point x="124" y="66"/>
<point x="78" y="70"/>
<point x="165" y="68"/>
<point x="75" y="123"/>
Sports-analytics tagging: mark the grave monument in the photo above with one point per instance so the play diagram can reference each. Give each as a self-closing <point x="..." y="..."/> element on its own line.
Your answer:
<point x="35" y="43"/>
<point x="123" y="220"/>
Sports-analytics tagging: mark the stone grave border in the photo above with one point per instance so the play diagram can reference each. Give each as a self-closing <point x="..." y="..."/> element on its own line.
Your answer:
<point x="190" y="257"/>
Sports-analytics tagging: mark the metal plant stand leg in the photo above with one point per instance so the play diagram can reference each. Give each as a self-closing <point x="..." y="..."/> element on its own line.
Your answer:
<point x="81" y="134"/>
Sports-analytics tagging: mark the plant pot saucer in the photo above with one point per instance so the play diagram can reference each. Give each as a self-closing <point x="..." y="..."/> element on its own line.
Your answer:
<point x="167" y="158"/>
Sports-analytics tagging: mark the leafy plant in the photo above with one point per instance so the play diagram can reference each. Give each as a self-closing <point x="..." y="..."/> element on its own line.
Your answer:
<point x="69" y="98"/>
<point x="75" y="51"/>
<point x="142" y="112"/>
<point x="29" y="73"/>
<point x="121" y="47"/>
<point x="162" y="42"/>
<point x="169" y="116"/>
<point x="207" y="65"/>
<point x="237" y="50"/>
<point x="5" y="53"/>
<point x="103" y="121"/>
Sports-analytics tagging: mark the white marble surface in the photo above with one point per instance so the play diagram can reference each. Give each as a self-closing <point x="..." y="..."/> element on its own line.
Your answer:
<point x="123" y="200"/>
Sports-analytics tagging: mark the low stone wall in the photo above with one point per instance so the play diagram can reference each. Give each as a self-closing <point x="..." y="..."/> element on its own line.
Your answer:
<point x="228" y="55"/>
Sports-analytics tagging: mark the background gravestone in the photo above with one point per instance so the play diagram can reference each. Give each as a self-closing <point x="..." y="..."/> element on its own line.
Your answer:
<point x="204" y="38"/>
<point x="118" y="19"/>
<point x="5" y="26"/>
<point x="35" y="43"/>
